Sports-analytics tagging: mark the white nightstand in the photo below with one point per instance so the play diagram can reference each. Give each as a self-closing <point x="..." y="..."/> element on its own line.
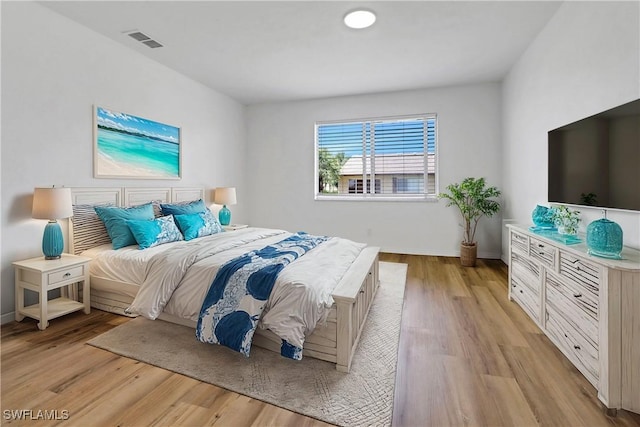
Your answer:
<point x="233" y="227"/>
<point x="40" y="275"/>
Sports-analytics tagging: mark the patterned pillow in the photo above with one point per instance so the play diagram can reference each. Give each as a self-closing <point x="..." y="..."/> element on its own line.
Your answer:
<point x="183" y="208"/>
<point x="154" y="232"/>
<point x="198" y="224"/>
<point x="157" y="210"/>
<point x="88" y="229"/>
<point x="115" y="221"/>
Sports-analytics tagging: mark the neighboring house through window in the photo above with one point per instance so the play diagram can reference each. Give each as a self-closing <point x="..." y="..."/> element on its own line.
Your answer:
<point x="377" y="158"/>
<point x="356" y="186"/>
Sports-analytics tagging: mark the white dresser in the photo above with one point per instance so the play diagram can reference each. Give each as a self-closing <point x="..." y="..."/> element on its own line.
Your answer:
<point x="589" y="307"/>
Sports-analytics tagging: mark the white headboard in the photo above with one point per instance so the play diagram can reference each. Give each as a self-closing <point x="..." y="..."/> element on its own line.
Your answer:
<point x="96" y="196"/>
<point x="130" y="196"/>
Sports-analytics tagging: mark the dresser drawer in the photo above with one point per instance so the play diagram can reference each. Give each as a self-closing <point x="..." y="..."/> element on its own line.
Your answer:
<point x="574" y="309"/>
<point x="583" y="297"/>
<point x="527" y="271"/>
<point x="578" y="350"/>
<point x="528" y="299"/>
<point x="67" y="274"/>
<point x="542" y="252"/>
<point x="519" y="243"/>
<point x="581" y="272"/>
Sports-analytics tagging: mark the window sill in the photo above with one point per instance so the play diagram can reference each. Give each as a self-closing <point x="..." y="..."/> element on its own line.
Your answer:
<point x="372" y="198"/>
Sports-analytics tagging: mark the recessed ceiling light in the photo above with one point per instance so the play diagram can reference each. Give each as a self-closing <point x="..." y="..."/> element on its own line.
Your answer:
<point x="359" y="19"/>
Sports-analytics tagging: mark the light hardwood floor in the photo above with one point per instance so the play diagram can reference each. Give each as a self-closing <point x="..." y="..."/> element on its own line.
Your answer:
<point x="467" y="356"/>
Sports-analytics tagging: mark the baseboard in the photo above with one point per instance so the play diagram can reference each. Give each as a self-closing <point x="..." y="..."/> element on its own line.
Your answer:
<point x="488" y="255"/>
<point x="453" y="254"/>
<point x="7" y="318"/>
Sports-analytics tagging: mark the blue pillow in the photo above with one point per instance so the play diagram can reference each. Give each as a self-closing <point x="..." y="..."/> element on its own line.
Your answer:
<point x="198" y="224"/>
<point x="154" y="232"/>
<point x="183" y="208"/>
<point x="114" y="220"/>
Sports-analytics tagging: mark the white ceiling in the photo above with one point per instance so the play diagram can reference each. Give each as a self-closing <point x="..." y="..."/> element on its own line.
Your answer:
<point x="266" y="51"/>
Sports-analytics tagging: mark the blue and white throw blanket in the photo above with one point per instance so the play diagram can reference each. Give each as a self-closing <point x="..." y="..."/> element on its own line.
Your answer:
<point x="235" y="301"/>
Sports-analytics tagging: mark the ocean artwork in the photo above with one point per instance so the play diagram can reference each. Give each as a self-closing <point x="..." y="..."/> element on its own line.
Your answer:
<point x="128" y="146"/>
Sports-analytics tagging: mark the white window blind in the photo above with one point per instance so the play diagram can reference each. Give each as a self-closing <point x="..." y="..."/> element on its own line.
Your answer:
<point x="377" y="158"/>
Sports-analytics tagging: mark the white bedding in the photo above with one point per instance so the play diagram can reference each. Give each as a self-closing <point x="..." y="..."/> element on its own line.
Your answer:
<point x="124" y="265"/>
<point x="301" y="297"/>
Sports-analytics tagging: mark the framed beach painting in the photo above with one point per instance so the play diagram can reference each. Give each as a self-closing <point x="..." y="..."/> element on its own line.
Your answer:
<point x="128" y="146"/>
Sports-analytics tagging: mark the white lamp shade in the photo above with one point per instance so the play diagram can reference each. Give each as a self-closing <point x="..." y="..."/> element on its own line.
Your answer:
<point x="225" y="196"/>
<point x="52" y="203"/>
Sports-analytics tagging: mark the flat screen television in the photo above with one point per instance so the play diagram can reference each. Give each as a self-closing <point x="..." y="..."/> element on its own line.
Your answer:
<point x="596" y="161"/>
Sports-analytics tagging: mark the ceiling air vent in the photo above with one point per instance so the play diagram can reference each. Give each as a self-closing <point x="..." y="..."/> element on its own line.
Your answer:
<point x="152" y="43"/>
<point x="143" y="38"/>
<point x="139" y="36"/>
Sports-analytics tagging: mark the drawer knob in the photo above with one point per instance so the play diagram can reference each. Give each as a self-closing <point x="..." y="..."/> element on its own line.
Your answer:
<point x="520" y="290"/>
<point x="67" y="274"/>
<point x="540" y="245"/>
<point x="577" y="295"/>
<point x="541" y="253"/>
<point x="578" y="268"/>
<point x="362" y="291"/>
<point x="577" y="347"/>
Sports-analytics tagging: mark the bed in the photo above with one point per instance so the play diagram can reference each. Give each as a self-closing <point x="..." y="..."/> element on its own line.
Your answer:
<point x="335" y="337"/>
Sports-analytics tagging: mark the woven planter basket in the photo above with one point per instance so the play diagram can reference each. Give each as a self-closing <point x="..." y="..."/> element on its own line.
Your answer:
<point x="468" y="255"/>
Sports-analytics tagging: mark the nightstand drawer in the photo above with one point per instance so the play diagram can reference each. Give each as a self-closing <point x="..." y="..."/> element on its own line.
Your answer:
<point x="234" y="227"/>
<point x="543" y="252"/>
<point x="67" y="274"/>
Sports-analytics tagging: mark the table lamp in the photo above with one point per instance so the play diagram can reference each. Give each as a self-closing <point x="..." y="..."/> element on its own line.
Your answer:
<point x="225" y="196"/>
<point x="52" y="204"/>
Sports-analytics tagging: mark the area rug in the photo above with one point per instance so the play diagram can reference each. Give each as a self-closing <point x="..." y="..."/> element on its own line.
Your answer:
<point x="311" y="387"/>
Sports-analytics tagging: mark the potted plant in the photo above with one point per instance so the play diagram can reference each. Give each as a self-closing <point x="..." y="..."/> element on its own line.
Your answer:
<point x="566" y="220"/>
<point x="474" y="200"/>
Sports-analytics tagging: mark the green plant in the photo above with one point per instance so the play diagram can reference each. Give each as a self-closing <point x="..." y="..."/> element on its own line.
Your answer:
<point x="590" y="199"/>
<point x="566" y="220"/>
<point x="329" y="170"/>
<point x="474" y="200"/>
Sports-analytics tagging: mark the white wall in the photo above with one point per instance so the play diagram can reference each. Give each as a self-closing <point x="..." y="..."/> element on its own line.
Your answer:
<point x="281" y="169"/>
<point x="586" y="60"/>
<point x="53" y="71"/>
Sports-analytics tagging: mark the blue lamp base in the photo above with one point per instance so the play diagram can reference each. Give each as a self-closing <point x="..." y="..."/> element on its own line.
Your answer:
<point x="52" y="241"/>
<point x="224" y="216"/>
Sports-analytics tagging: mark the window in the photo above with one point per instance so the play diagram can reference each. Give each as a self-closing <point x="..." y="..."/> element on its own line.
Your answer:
<point x="407" y="185"/>
<point x="376" y="158"/>
<point x="356" y="186"/>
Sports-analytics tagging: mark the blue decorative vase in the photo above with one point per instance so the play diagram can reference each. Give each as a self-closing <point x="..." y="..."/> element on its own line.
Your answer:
<point x="604" y="239"/>
<point x="224" y="216"/>
<point x="52" y="240"/>
<point x="542" y="217"/>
